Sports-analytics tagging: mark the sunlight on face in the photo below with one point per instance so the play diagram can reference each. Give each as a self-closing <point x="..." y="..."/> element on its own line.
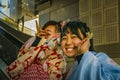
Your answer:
<point x="50" y="31"/>
<point x="70" y="43"/>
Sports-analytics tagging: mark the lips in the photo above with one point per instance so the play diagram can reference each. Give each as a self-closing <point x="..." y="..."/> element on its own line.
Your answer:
<point x="70" y="49"/>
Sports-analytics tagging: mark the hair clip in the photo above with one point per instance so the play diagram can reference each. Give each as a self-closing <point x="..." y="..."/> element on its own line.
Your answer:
<point x="89" y="35"/>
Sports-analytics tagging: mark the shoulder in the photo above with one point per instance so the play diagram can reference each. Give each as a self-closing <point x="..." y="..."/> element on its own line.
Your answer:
<point x="104" y="58"/>
<point x="98" y="56"/>
<point x="101" y="55"/>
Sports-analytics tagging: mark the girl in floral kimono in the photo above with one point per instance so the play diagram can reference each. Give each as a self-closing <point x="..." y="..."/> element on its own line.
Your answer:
<point x="49" y="64"/>
<point x="89" y="65"/>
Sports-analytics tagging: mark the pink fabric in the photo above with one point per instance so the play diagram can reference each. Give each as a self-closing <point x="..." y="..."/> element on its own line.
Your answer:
<point x="34" y="72"/>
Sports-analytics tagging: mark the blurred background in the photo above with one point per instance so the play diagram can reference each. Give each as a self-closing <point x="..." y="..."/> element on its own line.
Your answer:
<point x="17" y="24"/>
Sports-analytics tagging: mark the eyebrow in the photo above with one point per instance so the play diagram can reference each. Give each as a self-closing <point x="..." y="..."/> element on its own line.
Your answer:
<point x="48" y="30"/>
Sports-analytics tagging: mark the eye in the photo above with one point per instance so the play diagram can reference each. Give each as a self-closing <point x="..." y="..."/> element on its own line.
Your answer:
<point x="48" y="34"/>
<point x="64" y="38"/>
<point x="74" y="36"/>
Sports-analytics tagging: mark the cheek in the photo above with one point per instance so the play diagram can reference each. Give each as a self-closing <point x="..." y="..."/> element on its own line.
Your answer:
<point x="77" y="42"/>
<point x="63" y="43"/>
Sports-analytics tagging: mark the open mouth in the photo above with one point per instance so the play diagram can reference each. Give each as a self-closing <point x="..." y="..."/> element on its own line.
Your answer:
<point x="69" y="49"/>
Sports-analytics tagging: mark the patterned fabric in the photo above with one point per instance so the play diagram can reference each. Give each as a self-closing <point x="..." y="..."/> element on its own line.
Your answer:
<point x="55" y="65"/>
<point x="22" y="63"/>
<point x="34" y="72"/>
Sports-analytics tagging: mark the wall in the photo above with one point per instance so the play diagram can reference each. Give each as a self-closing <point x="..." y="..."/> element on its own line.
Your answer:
<point x="61" y="10"/>
<point x="102" y="16"/>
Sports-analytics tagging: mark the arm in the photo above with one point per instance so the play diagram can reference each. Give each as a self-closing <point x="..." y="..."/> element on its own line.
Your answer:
<point x="56" y="66"/>
<point x="26" y="46"/>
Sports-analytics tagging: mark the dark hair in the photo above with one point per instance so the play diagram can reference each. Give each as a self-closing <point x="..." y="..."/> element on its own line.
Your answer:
<point x="51" y="22"/>
<point x="73" y="26"/>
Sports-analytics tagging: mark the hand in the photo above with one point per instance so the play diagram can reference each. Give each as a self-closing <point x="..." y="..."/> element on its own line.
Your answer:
<point x="47" y="53"/>
<point x="83" y="46"/>
<point x="41" y="34"/>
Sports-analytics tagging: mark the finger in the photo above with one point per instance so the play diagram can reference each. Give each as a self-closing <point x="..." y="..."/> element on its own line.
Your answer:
<point x="84" y="46"/>
<point x="41" y="34"/>
<point x="47" y="52"/>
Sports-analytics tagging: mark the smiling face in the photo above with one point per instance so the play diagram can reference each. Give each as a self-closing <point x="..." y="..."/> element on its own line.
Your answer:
<point x="70" y="43"/>
<point x="73" y="39"/>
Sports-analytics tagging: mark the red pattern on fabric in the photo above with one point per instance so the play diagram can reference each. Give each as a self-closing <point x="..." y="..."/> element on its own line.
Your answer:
<point x="55" y="72"/>
<point x="34" y="72"/>
<point x="58" y="76"/>
<point x="26" y="62"/>
<point x="55" y="66"/>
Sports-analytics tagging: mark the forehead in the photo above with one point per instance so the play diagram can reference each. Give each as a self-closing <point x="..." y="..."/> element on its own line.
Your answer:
<point x="72" y="31"/>
<point x="50" y="27"/>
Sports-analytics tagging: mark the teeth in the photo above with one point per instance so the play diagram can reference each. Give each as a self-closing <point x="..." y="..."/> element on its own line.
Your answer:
<point x="70" y="49"/>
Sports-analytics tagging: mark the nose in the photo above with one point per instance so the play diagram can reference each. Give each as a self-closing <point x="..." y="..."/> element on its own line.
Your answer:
<point x="69" y="40"/>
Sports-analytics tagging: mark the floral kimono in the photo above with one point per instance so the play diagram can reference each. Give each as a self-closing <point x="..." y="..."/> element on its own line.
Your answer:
<point x="95" y="66"/>
<point x="54" y="65"/>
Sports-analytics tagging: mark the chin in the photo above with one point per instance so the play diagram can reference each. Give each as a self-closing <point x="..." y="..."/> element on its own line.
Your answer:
<point x="69" y="55"/>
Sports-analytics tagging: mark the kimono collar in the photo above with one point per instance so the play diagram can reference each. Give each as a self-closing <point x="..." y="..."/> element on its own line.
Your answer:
<point x="79" y="58"/>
